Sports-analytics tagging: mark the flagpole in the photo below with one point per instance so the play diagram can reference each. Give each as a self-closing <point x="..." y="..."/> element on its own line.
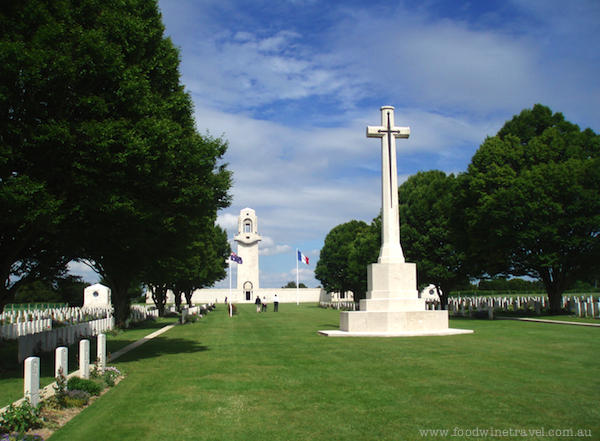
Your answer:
<point x="229" y="263"/>
<point x="297" y="281"/>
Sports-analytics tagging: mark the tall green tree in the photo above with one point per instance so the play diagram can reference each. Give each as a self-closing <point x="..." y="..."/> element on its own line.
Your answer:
<point x="365" y="251"/>
<point x="100" y="156"/>
<point x="333" y="269"/>
<point x="426" y="205"/>
<point x="206" y="264"/>
<point x="530" y="202"/>
<point x="33" y="134"/>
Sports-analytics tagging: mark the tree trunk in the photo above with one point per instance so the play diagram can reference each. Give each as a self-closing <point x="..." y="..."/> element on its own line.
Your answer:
<point x="554" y="283"/>
<point x="177" y="296"/>
<point x="443" y="295"/>
<point x="159" y="296"/>
<point x="555" y="300"/>
<point x="121" y="301"/>
<point x="188" y="296"/>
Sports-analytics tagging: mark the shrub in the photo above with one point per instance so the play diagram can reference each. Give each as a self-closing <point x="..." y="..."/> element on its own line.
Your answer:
<point x="21" y="418"/>
<point x="192" y="318"/>
<point x="74" y="398"/>
<point x="90" y="386"/>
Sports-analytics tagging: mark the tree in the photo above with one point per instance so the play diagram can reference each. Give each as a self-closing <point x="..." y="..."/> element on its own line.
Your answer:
<point x="68" y="289"/>
<point x="530" y="202"/>
<point x="206" y="265"/>
<point x="426" y="204"/>
<point x="292" y="284"/>
<point x="31" y="180"/>
<point x="100" y="156"/>
<point x="333" y="267"/>
<point x="365" y="251"/>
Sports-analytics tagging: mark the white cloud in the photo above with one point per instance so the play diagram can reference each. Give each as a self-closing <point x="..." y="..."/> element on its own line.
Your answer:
<point x="268" y="247"/>
<point x="83" y="270"/>
<point x="293" y="100"/>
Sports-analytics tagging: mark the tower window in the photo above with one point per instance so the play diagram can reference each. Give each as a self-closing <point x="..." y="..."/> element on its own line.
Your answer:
<point x="247" y="226"/>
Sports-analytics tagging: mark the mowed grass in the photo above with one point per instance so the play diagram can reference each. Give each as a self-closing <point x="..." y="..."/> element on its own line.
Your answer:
<point x="269" y="376"/>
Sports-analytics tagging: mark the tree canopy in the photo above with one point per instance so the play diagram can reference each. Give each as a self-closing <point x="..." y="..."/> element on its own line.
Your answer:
<point x="530" y="202"/>
<point x="426" y="201"/>
<point x="100" y="158"/>
<point x="346" y="252"/>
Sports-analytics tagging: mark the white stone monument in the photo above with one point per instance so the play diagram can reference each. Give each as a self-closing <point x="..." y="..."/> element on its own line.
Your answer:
<point x="392" y="307"/>
<point x="97" y="296"/>
<point x="247" y="249"/>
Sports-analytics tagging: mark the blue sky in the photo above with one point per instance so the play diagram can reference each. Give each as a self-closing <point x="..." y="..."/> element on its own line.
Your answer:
<point x="292" y="85"/>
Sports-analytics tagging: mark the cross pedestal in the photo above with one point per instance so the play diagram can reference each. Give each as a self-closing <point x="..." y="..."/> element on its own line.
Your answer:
<point x="392" y="307"/>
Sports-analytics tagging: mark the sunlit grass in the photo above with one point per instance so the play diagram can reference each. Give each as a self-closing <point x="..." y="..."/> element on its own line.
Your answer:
<point x="271" y="377"/>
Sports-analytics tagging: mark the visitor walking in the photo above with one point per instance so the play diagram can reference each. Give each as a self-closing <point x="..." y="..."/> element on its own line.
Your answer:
<point x="264" y="304"/>
<point x="275" y="303"/>
<point x="257" y="302"/>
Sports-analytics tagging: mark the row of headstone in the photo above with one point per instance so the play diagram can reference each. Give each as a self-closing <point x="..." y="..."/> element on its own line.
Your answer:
<point x="465" y="306"/>
<point x="31" y="378"/>
<point x="67" y="314"/>
<point x="346" y="306"/>
<point x="15" y="330"/>
<point x="18" y="323"/>
<point x="46" y="341"/>
<point x="582" y="307"/>
<point x="139" y="313"/>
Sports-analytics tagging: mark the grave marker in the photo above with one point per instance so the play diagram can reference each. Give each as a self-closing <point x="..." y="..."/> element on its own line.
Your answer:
<point x="32" y="380"/>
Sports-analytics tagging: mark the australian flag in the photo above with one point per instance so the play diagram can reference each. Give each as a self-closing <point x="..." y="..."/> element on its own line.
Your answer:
<point x="235" y="258"/>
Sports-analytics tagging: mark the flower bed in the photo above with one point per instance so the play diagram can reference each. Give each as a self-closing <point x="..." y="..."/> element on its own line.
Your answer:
<point x="28" y="423"/>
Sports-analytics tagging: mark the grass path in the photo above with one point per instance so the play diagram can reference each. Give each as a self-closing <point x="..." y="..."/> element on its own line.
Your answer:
<point x="271" y="377"/>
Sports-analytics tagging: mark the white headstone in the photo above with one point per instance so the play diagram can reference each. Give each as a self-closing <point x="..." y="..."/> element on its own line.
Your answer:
<point x="61" y="366"/>
<point x="101" y="352"/>
<point x="32" y="380"/>
<point x="84" y="359"/>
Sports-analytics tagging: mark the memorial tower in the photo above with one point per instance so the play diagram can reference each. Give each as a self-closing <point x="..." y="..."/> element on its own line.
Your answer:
<point x="247" y="248"/>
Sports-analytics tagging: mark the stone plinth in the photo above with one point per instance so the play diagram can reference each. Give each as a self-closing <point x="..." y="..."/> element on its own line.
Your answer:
<point x="392" y="307"/>
<point x="392" y="280"/>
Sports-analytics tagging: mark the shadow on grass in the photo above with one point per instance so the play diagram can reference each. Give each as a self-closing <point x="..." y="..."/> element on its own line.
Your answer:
<point x="160" y="346"/>
<point x="329" y="326"/>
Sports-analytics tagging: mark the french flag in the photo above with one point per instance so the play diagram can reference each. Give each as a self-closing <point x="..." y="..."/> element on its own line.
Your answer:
<point x="302" y="257"/>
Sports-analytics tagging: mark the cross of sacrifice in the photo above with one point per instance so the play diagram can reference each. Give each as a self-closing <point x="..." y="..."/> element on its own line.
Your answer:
<point x="387" y="130"/>
<point x="391" y="250"/>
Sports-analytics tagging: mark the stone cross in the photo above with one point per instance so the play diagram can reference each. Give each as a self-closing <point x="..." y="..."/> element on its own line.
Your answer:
<point x="391" y="251"/>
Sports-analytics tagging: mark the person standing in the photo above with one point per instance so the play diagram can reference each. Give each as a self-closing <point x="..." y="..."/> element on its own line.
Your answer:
<point x="264" y="304"/>
<point x="275" y="303"/>
<point x="258" y="303"/>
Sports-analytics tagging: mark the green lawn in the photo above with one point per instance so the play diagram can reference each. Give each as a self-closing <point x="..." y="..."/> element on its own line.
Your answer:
<point x="271" y="377"/>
